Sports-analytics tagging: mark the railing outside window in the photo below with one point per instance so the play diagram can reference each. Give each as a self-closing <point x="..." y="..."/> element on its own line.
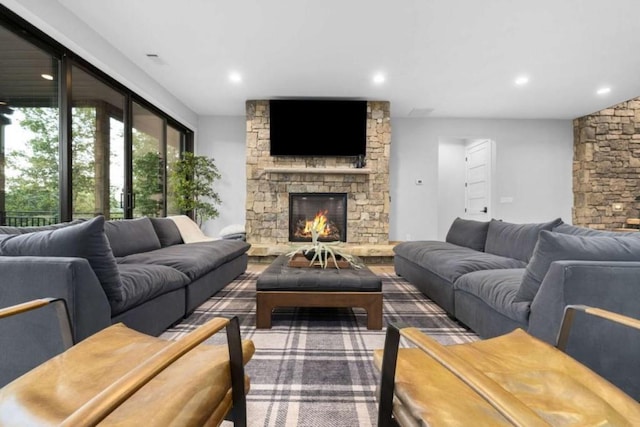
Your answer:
<point x="42" y="218"/>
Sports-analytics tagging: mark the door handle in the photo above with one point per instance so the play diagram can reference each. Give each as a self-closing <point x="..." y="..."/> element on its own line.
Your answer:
<point x="484" y="210"/>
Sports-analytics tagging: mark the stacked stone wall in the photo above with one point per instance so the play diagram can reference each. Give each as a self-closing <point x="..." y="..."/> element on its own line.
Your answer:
<point x="606" y="166"/>
<point x="267" y="206"/>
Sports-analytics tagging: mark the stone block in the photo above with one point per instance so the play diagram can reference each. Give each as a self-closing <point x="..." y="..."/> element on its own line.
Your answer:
<point x="587" y="134"/>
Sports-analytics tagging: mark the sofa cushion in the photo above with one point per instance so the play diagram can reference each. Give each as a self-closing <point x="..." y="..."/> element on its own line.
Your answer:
<point x="468" y="233"/>
<point x="515" y="240"/>
<point x="193" y="259"/>
<point x="449" y="261"/>
<point x="584" y="231"/>
<point x="141" y="283"/>
<point x="84" y="240"/>
<point x="167" y="231"/>
<point x="497" y="289"/>
<point x="24" y="230"/>
<point x="131" y="236"/>
<point x="557" y="246"/>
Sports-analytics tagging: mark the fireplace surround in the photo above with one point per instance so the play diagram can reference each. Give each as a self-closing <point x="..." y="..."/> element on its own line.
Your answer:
<point x="270" y="180"/>
<point x="325" y="211"/>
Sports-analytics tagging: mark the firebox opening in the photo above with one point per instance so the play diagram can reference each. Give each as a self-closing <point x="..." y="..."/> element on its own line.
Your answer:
<point x="326" y="212"/>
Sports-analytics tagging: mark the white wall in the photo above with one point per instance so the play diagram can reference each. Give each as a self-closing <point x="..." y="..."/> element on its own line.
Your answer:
<point x="451" y="178"/>
<point x="224" y="139"/>
<point x="63" y="26"/>
<point x="533" y="166"/>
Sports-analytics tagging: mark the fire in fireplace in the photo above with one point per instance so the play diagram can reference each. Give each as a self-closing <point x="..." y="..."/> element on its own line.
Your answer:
<point x="326" y="212"/>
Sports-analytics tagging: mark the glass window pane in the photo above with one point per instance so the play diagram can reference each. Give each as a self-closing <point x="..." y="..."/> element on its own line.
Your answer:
<point x="175" y="145"/>
<point x="148" y="163"/>
<point x="98" y="147"/>
<point x="29" y="133"/>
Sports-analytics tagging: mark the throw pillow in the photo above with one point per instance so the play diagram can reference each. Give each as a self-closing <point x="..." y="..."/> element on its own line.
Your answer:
<point x="167" y="231"/>
<point x="515" y="240"/>
<point x="557" y="246"/>
<point x="85" y="240"/>
<point x="468" y="233"/>
<point x="24" y="230"/>
<point x="131" y="236"/>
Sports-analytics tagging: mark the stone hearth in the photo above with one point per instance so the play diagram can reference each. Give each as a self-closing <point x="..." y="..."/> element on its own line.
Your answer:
<point x="270" y="179"/>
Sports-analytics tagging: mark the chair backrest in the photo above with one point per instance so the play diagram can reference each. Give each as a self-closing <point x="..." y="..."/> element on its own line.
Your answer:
<point x="611" y="348"/>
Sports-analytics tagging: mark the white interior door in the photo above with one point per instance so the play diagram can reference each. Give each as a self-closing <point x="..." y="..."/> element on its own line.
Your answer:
<point x="478" y="167"/>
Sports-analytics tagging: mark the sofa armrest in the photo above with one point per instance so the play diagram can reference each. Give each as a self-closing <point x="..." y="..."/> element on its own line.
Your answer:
<point x="31" y="338"/>
<point x="72" y="279"/>
<point x="612" y="285"/>
<point x="609" y="349"/>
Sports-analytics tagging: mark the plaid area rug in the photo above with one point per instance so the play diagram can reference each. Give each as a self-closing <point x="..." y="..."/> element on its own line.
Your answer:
<point x="315" y="366"/>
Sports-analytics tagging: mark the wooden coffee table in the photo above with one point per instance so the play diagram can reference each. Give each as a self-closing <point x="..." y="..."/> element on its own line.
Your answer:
<point x="283" y="286"/>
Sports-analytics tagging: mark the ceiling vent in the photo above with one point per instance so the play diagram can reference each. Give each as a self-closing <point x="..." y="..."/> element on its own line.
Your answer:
<point x="155" y="58"/>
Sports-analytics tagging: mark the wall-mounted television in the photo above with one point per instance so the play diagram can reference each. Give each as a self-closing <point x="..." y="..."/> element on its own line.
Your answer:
<point x="302" y="127"/>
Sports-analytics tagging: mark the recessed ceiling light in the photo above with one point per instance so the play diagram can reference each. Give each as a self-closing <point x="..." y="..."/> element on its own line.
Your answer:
<point x="603" y="90"/>
<point x="3" y="103"/>
<point x="379" y="78"/>
<point x="522" y="80"/>
<point x="235" y="77"/>
<point x="47" y="76"/>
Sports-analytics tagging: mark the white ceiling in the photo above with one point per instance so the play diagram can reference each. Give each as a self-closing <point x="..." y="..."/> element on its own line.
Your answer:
<point x="457" y="57"/>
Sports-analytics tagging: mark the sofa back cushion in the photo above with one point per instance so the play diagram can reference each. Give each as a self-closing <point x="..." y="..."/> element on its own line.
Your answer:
<point x="553" y="246"/>
<point x="85" y="240"/>
<point x="24" y="230"/>
<point x="131" y="236"/>
<point x="167" y="231"/>
<point x="515" y="240"/>
<point x="468" y="233"/>
<point x="584" y="231"/>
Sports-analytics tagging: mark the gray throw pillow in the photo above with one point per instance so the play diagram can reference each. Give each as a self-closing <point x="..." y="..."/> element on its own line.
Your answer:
<point x="557" y="246"/>
<point x="468" y="233"/>
<point x="515" y="240"/>
<point x="24" y="230"/>
<point x="85" y="240"/>
<point x="131" y="236"/>
<point x="167" y="231"/>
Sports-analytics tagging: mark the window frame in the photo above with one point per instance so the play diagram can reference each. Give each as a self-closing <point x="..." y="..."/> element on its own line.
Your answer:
<point x="68" y="59"/>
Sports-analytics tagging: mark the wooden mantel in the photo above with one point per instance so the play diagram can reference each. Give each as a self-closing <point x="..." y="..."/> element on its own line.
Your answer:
<point x="334" y="170"/>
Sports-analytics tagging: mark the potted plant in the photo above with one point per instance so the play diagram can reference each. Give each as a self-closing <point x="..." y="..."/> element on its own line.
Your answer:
<point x="192" y="179"/>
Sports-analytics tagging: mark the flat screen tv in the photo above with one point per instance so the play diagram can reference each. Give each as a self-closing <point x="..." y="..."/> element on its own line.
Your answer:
<point x="318" y="127"/>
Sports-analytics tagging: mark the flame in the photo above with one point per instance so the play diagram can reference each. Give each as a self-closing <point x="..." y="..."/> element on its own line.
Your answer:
<point x="320" y="223"/>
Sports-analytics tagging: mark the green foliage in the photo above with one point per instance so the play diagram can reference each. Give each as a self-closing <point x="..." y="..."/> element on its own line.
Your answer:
<point x="34" y="184"/>
<point x="33" y="170"/>
<point x="147" y="175"/>
<point x="192" y="179"/>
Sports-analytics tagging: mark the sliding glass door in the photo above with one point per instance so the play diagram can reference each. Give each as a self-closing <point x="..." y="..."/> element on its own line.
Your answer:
<point x="29" y="133"/>
<point x="148" y="162"/>
<point x="98" y="150"/>
<point x="74" y="142"/>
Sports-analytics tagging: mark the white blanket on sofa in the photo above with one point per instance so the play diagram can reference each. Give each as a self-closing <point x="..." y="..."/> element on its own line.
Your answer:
<point x="189" y="230"/>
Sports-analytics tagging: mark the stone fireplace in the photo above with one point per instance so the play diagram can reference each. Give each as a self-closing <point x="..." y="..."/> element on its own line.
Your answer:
<point x="271" y="180"/>
<point x="326" y="212"/>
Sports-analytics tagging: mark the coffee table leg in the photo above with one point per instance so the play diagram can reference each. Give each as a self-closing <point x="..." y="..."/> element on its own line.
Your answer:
<point x="374" y="313"/>
<point x="263" y="311"/>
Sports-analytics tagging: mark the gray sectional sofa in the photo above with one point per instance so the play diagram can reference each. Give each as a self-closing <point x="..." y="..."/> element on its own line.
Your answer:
<point x="134" y="271"/>
<point x="497" y="276"/>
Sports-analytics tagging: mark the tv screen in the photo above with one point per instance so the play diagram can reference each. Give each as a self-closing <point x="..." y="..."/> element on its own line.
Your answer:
<point x="318" y="127"/>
